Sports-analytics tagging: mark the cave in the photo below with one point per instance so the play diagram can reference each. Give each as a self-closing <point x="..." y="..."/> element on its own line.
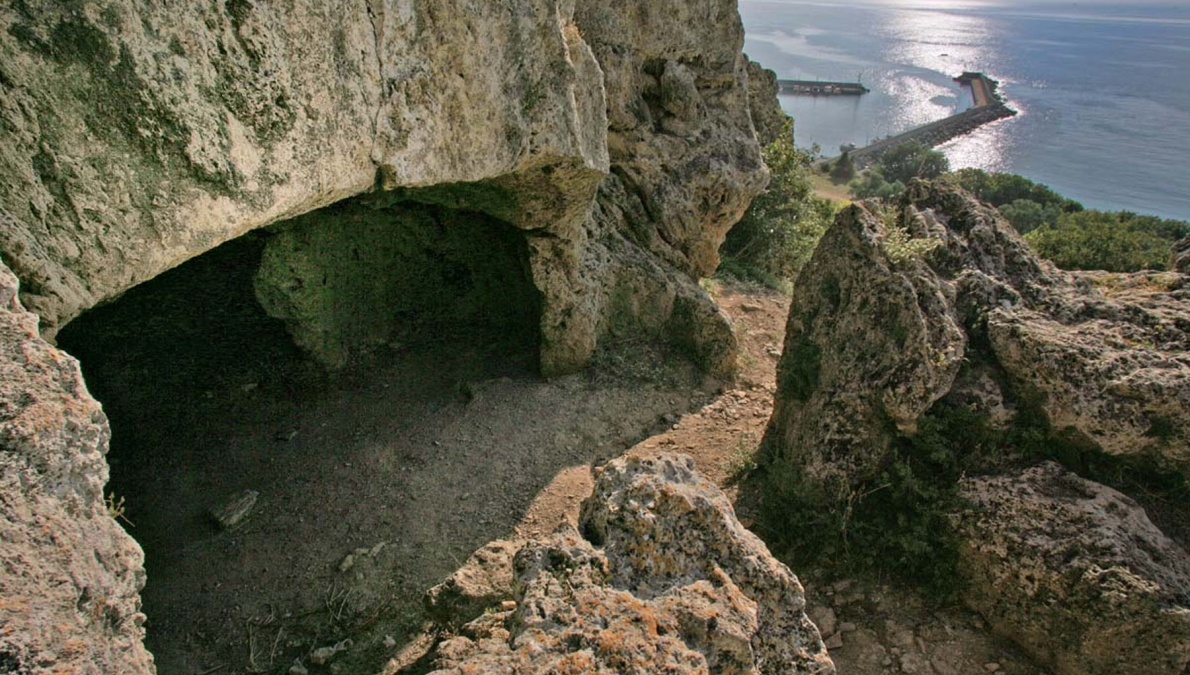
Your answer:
<point x="313" y="363"/>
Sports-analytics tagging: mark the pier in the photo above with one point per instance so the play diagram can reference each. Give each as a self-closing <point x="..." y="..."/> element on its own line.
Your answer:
<point x="988" y="107"/>
<point x="820" y="88"/>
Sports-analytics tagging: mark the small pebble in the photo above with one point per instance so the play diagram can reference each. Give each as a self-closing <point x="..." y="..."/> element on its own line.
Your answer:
<point x="991" y="667"/>
<point x="835" y="641"/>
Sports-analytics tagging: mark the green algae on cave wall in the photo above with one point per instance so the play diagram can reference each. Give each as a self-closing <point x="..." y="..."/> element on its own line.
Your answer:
<point x="363" y="273"/>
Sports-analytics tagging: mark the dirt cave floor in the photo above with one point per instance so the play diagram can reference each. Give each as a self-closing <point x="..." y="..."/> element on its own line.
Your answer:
<point x="377" y="483"/>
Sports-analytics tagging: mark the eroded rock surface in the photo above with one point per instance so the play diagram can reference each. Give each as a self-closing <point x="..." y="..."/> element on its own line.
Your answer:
<point x="936" y="297"/>
<point x="767" y="115"/>
<point x="138" y="137"/>
<point x="1075" y="573"/>
<point x="879" y="331"/>
<point x="664" y="580"/>
<point x="70" y="575"/>
<point x="613" y="139"/>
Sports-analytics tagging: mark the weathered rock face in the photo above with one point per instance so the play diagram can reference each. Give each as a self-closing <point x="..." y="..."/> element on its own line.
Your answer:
<point x="1076" y="573"/>
<point x="767" y="115"/>
<point x="935" y="297"/>
<point x="679" y="138"/>
<point x="137" y="137"/>
<point x="68" y="591"/>
<point x="878" y="332"/>
<point x="613" y="141"/>
<point x="666" y="580"/>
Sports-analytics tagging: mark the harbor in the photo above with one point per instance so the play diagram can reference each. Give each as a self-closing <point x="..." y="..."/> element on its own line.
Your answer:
<point x="987" y="107"/>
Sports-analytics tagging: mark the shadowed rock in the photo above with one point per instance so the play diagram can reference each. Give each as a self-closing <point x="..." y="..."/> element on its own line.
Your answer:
<point x="1076" y="573"/>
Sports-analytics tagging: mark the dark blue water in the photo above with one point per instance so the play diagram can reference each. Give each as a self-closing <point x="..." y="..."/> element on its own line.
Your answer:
<point x="1103" y="90"/>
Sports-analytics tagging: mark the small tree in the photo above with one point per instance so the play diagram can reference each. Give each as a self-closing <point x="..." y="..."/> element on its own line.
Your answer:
<point x="844" y="169"/>
<point x="913" y="160"/>
<point x="780" y="229"/>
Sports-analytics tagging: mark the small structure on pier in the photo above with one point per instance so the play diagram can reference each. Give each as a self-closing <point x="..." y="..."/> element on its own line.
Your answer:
<point x="820" y="88"/>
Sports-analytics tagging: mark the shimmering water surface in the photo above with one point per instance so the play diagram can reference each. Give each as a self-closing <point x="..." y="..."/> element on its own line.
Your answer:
<point x="1103" y="90"/>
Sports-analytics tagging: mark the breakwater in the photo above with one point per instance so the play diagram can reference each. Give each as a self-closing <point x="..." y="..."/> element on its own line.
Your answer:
<point x="988" y="108"/>
<point x="820" y="88"/>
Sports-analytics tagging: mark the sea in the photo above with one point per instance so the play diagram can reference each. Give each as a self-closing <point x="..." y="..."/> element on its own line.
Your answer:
<point x="1103" y="90"/>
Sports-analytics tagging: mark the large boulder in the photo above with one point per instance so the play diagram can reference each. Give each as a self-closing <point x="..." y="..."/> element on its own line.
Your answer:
<point x="1075" y="573"/>
<point x="937" y="295"/>
<point x="663" y="578"/>
<point x="69" y="575"/>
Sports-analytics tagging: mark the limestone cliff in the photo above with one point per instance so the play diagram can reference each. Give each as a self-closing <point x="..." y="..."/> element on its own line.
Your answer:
<point x="616" y="138"/>
<point x="767" y="115"/>
<point x="611" y="140"/>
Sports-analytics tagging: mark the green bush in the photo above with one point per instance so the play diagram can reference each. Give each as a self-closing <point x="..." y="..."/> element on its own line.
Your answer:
<point x="779" y="231"/>
<point x="1000" y="189"/>
<point x="873" y="185"/>
<point x="1027" y="215"/>
<point x="898" y="166"/>
<point x="1112" y="241"/>
<point x="913" y="160"/>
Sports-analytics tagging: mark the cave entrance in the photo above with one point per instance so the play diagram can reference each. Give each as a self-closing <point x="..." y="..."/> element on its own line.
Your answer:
<point x="209" y="396"/>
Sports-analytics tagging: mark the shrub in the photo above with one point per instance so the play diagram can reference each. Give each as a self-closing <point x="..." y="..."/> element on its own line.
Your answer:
<point x="1000" y="189"/>
<point x="779" y="231"/>
<point x="1027" y="215"/>
<point x="913" y="160"/>
<point x="1112" y="241"/>
<point x="874" y="185"/>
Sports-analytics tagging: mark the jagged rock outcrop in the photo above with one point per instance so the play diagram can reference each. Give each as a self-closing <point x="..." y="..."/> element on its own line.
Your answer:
<point x="70" y="575"/>
<point x="767" y="115"/>
<point x="886" y="316"/>
<point x="1076" y="573"/>
<point x="663" y="579"/>
<point x="935" y="297"/>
